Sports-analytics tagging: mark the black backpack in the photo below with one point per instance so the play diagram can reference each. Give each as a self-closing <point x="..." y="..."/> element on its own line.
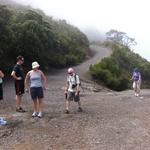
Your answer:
<point x="79" y="80"/>
<point x="79" y="83"/>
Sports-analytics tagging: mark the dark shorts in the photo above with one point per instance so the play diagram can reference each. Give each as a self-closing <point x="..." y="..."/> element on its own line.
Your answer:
<point x="19" y="88"/>
<point x="71" y="96"/>
<point x="36" y="92"/>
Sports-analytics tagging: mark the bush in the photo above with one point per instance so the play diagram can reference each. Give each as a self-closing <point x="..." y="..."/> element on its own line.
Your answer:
<point x="108" y="73"/>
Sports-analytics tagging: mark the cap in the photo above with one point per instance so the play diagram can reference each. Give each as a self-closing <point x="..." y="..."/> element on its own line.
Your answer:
<point x="135" y="69"/>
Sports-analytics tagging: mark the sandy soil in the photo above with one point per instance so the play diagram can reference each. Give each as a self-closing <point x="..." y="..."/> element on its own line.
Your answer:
<point x="109" y="121"/>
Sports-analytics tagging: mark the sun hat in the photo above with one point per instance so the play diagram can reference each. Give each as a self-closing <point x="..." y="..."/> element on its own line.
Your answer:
<point x="35" y="65"/>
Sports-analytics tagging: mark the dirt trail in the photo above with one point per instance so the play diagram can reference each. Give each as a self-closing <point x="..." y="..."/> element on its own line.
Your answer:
<point x="110" y="120"/>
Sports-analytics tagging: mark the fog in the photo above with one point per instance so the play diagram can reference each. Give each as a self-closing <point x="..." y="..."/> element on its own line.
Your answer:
<point x="96" y="17"/>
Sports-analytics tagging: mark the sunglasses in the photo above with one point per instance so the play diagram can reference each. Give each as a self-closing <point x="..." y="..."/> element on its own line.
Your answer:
<point x="69" y="72"/>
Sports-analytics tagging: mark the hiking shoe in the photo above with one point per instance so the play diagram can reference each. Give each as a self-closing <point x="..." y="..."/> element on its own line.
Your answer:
<point x="34" y="114"/>
<point x="40" y="115"/>
<point x="80" y="109"/>
<point x="20" y="110"/>
<point x="67" y="112"/>
<point x="1" y="119"/>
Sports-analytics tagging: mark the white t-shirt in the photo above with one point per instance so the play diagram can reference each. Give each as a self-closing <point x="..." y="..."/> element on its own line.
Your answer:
<point x="72" y="82"/>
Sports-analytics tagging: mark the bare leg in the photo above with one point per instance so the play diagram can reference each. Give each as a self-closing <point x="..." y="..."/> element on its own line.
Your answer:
<point x="67" y="104"/>
<point x="40" y="105"/>
<point x="18" y="100"/>
<point x="79" y="103"/>
<point x="35" y="105"/>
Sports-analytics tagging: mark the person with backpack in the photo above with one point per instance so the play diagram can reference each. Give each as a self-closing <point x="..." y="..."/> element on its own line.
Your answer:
<point x="72" y="90"/>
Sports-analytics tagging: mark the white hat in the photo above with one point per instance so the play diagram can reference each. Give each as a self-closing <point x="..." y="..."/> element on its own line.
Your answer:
<point x="35" y="65"/>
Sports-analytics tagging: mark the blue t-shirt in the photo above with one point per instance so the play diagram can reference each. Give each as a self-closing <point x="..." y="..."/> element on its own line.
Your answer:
<point x="136" y="76"/>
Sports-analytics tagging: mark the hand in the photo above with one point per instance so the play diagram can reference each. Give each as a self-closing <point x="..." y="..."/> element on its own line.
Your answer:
<point x="65" y="92"/>
<point x="76" y="94"/>
<point x="44" y="88"/>
<point x="19" y="78"/>
<point x="27" y="90"/>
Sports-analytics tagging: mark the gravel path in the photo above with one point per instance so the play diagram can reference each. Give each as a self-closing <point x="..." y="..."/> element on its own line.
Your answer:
<point x="110" y="120"/>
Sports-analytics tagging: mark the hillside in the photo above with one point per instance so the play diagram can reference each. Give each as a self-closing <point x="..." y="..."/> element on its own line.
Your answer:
<point x="29" y="32"/>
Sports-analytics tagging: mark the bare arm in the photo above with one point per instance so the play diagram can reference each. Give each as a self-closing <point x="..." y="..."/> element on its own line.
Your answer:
<point x="13" y="74"/>
<point x="67" y="87"/>
<point x="26" y="82"/>
<point x="78" y="86"/>
<point x="132" y="77"/>
<point x="44" y="80"/>
<point x="77" y="90"/>
<point x="1" y="74"/>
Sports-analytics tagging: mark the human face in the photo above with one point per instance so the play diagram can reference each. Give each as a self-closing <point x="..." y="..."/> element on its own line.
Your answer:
<point x="70" y="73"/>
<point x="22" y="60"/>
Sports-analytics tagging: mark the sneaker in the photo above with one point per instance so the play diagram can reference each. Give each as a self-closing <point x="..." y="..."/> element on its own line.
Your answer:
<point x="1" y="119"/>
<point x="67" y="112"/>
<point x="20" y="110"/>
<point x="40" y="115"/>
<point x="3" y="122"/>
<point x="137" y="95"/>
<point x="34" y="114"/>
<point x="80" y="109"/>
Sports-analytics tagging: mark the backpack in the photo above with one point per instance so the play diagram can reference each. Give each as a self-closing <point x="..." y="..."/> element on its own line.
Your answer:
<point x="79" y="80"/>
<point x="79" y="83"/>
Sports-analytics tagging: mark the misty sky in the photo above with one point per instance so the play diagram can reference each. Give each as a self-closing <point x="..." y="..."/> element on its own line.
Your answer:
<point x="129" y="16"/>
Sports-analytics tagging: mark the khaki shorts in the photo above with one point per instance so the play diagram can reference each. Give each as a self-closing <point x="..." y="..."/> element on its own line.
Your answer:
<point x="71" y="96"/>
<point x="136" y="86"/>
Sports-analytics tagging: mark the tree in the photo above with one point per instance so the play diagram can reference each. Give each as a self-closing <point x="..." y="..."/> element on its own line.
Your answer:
<point x="120" y="37"/>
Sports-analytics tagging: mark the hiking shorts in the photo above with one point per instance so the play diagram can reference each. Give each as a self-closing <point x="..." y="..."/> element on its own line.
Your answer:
<point x="136" y="86"/>
<point x="19" y="87"/>
<point x="71" y="96"/>
<point x="36" y="92"/>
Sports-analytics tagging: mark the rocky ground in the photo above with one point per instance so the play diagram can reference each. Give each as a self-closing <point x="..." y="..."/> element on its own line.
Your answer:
<point x="109" y="121"/>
